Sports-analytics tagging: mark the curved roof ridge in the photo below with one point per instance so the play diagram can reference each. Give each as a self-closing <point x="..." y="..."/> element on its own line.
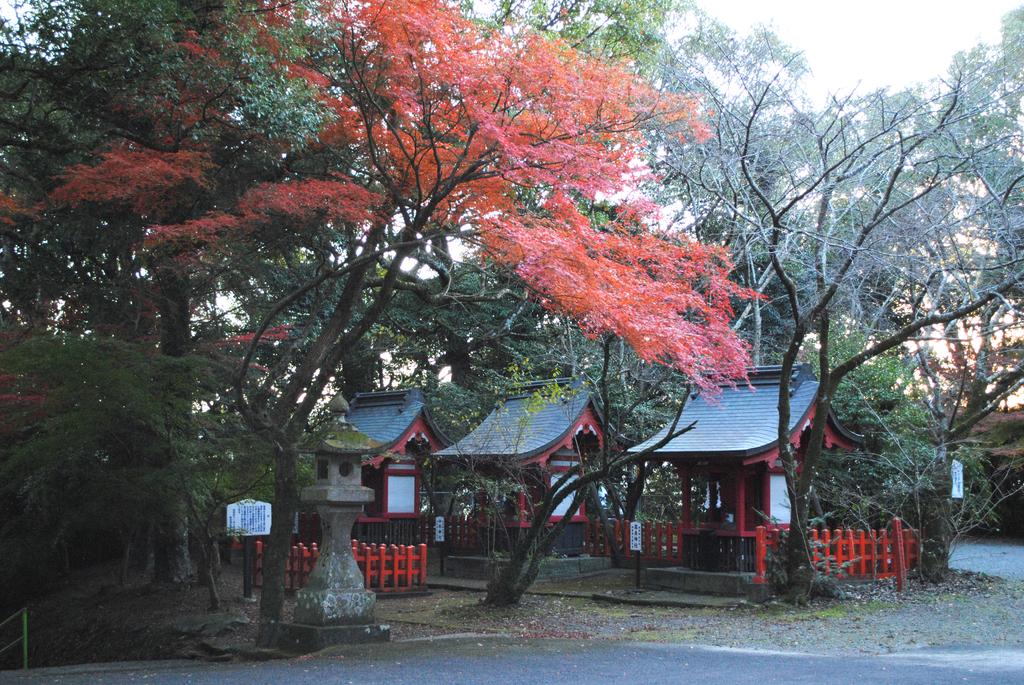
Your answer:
<point x="517" y="428"/>
<point x="386" y="415"/>
<point x="742" y="420"/>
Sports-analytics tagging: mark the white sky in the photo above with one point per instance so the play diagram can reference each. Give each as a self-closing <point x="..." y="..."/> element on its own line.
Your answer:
<point x="870" y="43"/>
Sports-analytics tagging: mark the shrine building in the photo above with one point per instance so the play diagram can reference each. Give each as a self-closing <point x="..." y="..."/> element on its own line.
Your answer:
<point x="538" y="434"/>
<point x="732" y="450"/>
<point x="400" y="421"/>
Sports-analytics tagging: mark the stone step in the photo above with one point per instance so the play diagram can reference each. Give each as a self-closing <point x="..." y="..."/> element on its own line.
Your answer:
<point x="686" y="580"/>
<point x="480" y="568"/>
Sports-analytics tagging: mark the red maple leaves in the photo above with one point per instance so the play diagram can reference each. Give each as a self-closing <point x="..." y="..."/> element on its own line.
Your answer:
<point x="432" y="128"/>
<point x="146" y="181"/>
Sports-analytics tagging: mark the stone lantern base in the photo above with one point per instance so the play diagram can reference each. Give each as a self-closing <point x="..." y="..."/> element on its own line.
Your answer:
<point x="303" y="639"/>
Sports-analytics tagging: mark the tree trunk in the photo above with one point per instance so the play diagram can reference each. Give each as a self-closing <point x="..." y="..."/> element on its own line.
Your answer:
<point x="606" y="525"/>
<point x="275" y="554"/>
<point x="635" y="491"/>
<point x="755" y="339"/>
<point x="511" y="580"/>
<point x="457" y="357"/>
<point x="936" y="526"/>
<point x="171" y="561"/>
<point x="799" y="574"/>
<point x="207" y="569"/>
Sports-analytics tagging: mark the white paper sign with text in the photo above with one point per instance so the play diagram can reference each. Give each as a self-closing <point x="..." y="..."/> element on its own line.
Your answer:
<point x="249" y="517"/>
<point x="956" y="475"/>
<point x="636" y="537"/>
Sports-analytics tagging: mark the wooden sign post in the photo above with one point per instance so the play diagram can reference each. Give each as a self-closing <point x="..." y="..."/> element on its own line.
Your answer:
<point x="247" y="518"/>
<point x="636" y="545"/>
<point x="439" y="538"/>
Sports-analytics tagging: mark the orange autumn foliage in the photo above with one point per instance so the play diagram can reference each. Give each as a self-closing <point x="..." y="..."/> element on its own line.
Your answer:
<point x="433" y="128"/>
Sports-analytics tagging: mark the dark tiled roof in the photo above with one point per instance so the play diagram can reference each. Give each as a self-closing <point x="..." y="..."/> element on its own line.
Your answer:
<point x="742" y="421"/>
<point x="385" y="416"/>
<point x="524" y="425"/>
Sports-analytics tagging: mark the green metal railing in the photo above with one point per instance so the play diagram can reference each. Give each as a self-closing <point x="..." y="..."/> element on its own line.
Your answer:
<point x="24" y="635"/>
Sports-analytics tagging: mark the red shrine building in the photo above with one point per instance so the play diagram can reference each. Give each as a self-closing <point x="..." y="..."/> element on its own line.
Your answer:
<point x="400" y="421"/>
<point x="539" y="435"/>
<point x="732" y="455"/>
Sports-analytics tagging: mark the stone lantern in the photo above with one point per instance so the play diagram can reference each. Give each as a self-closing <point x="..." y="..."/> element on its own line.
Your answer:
<point x="334" y="607"/>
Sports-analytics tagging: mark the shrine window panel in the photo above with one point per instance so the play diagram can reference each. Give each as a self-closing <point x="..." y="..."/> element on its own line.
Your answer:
<point x="401" y="495"/>
<point x="779" y="506"/>
<point x="563" y="506"/>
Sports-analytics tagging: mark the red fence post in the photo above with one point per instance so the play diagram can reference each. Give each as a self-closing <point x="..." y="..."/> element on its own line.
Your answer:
<point x="886" y="555"/>
<point x="289" y="570"/>
<point x="423" y="566"/>
<point x="826" y="550"/>
<point x="760" y="554"/>
<point x="900" y="551"/>
<point x="303" y="566"/>
<point x="862" y="553"/>
<point x="257" y="573"/>
<point x="364" y="554"/>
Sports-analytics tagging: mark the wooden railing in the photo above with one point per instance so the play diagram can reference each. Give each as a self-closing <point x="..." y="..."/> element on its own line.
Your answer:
<point x="389" y="531"/>
<point x="662" y="540"/>
<point x="847" y="553"/>
<point x="385" y="568"/>
<point x="462" y="534"/>
<point x="392" y="568"/>
<point x="670" y="542"/>
<point x="393" y="531"/>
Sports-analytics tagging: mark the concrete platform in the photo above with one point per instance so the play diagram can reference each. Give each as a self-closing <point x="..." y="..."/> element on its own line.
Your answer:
<point x="481" y="568"/>
<point x="679" y="579"/>
<point x="299" y="638"/>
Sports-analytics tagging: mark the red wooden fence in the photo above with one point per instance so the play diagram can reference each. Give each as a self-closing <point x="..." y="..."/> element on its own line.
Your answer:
<point x="662" y="540"/>
<point x="461" y="533"/>
<point x="386" y="568"/>
<point x="844" y="553"/>
<point x="847" y="553"/>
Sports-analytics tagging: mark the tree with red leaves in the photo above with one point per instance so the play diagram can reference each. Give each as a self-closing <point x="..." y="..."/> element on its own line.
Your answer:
<point x="361" y="149"/>
<point x="499" y="142"/>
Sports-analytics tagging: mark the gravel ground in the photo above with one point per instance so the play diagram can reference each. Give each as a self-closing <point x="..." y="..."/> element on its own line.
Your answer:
<point x="94" y="620"/>
<point x="968" y="609"/>
<point x="997" y="557"/>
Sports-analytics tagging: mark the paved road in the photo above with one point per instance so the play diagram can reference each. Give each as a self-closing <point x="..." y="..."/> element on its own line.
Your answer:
<point x="996" y="557"/>
<point x="492" y="661"/>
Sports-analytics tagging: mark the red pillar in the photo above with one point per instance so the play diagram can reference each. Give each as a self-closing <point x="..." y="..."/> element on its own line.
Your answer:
<point x="766" y="494"/>
<point x="741" y="500"/>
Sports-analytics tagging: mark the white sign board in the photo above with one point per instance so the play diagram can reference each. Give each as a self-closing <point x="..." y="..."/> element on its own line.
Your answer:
<point x="636" y="537"/>
<point x="249" y="517"/>
<point x="563" y="507"/>
<point x="439" y="529"/>
<point x="401" y="495"/>
<point x="779" y="499"/>
<point x="956" y="475"/>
